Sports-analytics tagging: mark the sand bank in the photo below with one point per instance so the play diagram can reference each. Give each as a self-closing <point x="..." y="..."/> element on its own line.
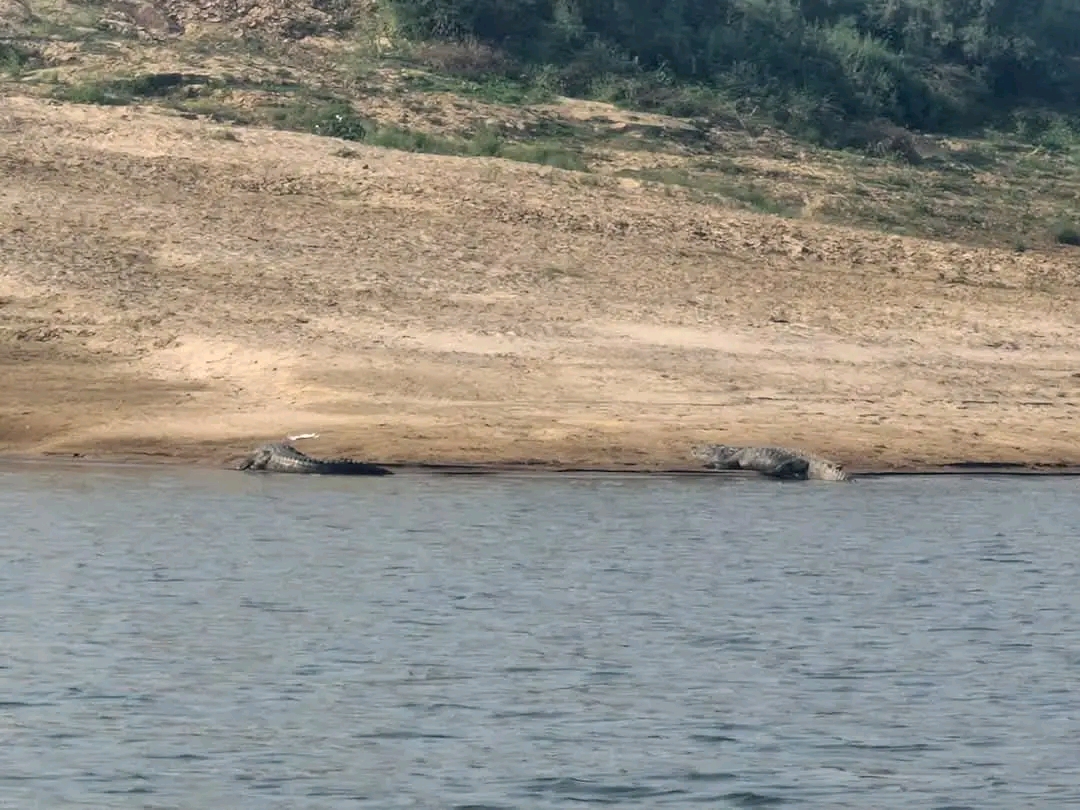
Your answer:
<point x="169" y="294"/>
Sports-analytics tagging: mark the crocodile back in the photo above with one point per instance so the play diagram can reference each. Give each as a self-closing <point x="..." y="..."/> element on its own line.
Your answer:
<point x="776" y="462"/>
<point x="284" y="458"/>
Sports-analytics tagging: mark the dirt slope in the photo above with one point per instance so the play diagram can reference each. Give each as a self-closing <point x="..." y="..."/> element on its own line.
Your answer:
<point x="169" y="290"/>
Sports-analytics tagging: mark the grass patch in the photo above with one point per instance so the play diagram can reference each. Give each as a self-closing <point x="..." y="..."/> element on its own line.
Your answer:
<point x="14" y="59"/>
<point x="544" y="154"/>
<point x="748" y="195"/>
<point x="1067" y="233"/>
<point x="305" y="111"/>
<point x="722" y="165"/>
<point x="411" y="140"/>
<point x="975" y="156"/>
<point x="338" y="120"/>
<point x="176" y="87"/>
<point x="330" y="119"/>
<point x="491" y="90"/>
<point x="103" y="93"/>
<point x="217" y="111"/>
<point x="125" y="90"/>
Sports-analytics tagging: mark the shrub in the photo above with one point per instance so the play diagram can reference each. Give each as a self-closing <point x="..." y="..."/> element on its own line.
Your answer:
<point x="1067" y="233"/>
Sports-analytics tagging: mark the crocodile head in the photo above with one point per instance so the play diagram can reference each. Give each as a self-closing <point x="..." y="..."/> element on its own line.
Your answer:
<point x="712" y="453"/>
<point x="257" y="460"/>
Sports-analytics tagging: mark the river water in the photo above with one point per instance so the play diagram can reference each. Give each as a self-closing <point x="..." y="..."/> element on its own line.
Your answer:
<point x="210" y="640"/>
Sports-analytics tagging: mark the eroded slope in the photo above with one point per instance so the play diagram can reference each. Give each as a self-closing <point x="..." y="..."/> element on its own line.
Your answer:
<point x="166" y="289"/>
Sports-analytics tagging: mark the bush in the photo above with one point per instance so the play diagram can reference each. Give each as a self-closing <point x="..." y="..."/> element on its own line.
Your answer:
<point x="93" y="93"/>
<point x="337" y="119"/>
<point x="14" y="58"/>
<point x="545" y="155"/>
<point x="1067" y="234"/>
<point x="333" y="119"/>
<point x="811" y="65"/>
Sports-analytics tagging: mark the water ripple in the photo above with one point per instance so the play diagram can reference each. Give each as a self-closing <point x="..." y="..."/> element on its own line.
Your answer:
<point x="495" y="643"/>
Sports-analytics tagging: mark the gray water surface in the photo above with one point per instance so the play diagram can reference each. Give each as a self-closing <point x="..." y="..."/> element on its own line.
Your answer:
<point x="211" y="640"/>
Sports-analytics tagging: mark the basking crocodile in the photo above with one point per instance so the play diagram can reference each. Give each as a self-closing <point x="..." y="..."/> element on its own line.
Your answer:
<point x="283" y="457"/>
<point x="775" y="462"/>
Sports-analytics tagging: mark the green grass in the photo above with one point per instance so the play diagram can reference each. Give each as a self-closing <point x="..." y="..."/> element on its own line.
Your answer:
<point x="125" y="90"/>
<point x="304" y="110"/>
<point x="492" y="90"/>
<point x="1067" y="233"/>
<point x="747" y="194"/>
<point x="103" y="93"/>
<point x="545" y="154"/>
<point x="337" y="119"/>
<point x="14" y="59"/>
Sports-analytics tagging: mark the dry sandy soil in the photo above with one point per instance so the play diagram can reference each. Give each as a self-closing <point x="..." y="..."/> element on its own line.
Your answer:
<point x="169" y="291"/>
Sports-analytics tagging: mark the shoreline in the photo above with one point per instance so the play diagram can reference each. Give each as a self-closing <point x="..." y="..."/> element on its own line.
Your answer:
<point x="980" y="469"/>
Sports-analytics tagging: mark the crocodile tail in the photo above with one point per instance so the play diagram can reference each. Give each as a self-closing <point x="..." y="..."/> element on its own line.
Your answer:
<point x="345" y="466"/>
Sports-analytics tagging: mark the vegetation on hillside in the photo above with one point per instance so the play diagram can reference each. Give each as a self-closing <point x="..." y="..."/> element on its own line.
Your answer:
<point x="740" y="103"/>
<point x="814" y="65"/>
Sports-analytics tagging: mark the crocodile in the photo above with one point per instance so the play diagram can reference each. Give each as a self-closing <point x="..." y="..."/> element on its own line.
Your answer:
<point x="283" y="457"/>
<point x="775" y="462"/>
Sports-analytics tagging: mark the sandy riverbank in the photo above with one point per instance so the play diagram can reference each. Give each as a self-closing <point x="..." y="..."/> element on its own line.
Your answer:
<point x="168" y="293"/>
